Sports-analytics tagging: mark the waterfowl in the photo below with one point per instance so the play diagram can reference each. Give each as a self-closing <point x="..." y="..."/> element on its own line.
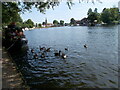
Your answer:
<point x="42" y="55"/>
<point x="41" y="48"/>
<point x="66" y="49"/>
<point x="85" y="46"/>
<point x="63" y="56"/>
<point x="32" y="50"/>
<point x="44" y="48"/>
<point x="35" y="56"/>
<point x="57" y="53"/>
<point x="48" y="50"/>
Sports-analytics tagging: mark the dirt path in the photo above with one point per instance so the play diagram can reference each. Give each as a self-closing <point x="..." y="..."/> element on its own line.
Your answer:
<point x="11" y="78"/>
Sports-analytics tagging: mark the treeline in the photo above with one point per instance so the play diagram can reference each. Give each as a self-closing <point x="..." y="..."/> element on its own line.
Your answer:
<point x="107" y="16"/>
<point x="11" y="13"/>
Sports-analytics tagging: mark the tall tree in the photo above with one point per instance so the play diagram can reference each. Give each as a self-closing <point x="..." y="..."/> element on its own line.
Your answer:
<point x="72" y="21"/>
<point x="92" y="17"/>
<point x="55" y="22"/>
<point x="10" y="12"/>
<point x="114" y="12"/>
<point x="29" y="23"/>
<point x="95" y="11"/>
<point x="105" y="16"/>
<point x="61" y="22"/>
<point x="89" y="11"/>
<point x="40" y="25"/>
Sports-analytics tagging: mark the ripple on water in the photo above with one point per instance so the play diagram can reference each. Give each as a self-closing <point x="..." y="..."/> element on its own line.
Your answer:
<point x="95" y="66"/>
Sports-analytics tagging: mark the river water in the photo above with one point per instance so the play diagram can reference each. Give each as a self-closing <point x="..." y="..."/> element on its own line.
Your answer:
<point x="92" y="67"/>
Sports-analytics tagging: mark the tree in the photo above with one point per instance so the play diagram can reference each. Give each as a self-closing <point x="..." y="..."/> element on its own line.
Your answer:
<point x="92" y="17"/>
<point x="29" y="23"/>
<point x="55" y="22"/>
<point x="114" y="12"/>
<point x="10" y="12"/>
<point x="105" y="16"/>
<point x="12" y="9"/>
<point x="39" y="25"/>
<point x="95" y="11"/>
<point x="89" y="11"/>
<point x="15" y="7"/>
<point x="72" y="21"/>
<point x="61" y="22"/>
<point x="43" y="23"/>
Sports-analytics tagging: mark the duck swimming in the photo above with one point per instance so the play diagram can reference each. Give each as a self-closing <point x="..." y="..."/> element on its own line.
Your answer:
<point x="66" y="49"/>
<point x="85" y="46"/>
<point x="42" y="48"/>
<point x="32" y="50"/>
<point x="42" y="55"/>
<point x="48" y="50"/>
<point x="35" y="56"/>
<point x="63" y="56"/>
<point x="57" y="53"/>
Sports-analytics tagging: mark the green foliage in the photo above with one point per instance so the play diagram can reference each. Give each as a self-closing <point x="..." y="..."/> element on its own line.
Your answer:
<point x="43" y="23"/>
<point x="29" y="23"/>
<point x="89" y="11"/>
<point x="108" y="15"/>
<point x="111" y="15"/>
<point x="55" y="22"/>
<point x="95" y="11"/>
<point x="114" y="12"/>
<point x="72" y="21"/>
<point x="92" y="17"/>
<point x="61" y="22"/>
<point x="39" y="25"/>
<point x="10" y="12"/>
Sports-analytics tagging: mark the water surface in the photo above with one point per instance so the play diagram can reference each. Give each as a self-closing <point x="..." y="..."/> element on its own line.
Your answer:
<point x="96" y="66"/>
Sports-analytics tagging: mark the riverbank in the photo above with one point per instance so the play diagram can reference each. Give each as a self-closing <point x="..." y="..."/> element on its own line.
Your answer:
<point x="29" y="29"/>
<point x="11" y="77"/>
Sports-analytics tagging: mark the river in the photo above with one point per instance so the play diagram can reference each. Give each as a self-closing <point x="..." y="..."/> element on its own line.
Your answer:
<point x="92" y="67"/>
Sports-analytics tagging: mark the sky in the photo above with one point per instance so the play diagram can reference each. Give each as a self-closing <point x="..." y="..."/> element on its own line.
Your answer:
<point x="62" y="12"/>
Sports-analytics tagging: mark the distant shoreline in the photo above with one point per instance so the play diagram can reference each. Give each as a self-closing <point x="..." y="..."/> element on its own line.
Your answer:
<point x="29" y="29"/>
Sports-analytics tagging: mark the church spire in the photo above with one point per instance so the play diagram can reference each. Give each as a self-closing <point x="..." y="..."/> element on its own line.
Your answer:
<point x="45" y="20"/>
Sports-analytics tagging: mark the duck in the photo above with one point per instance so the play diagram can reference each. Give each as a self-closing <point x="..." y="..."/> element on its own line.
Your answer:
<point x="66" y="49"/>
<point x="57" y="53"/>
<point x="35" y="56"/>
<point x="32" y="50"/>
<point x="85" y="46"/>
<point x="42" y="55"/>
<point x="48" y="50"/>
<point x="42" y="48"/>
<point x="63" y="56"/>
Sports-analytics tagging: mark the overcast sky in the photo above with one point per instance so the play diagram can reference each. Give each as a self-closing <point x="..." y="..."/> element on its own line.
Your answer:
<point x="62" y="12"/>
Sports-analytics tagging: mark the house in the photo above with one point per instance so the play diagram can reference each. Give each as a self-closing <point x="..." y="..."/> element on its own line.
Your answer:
<point x="82" y="22"/>
<point x="49" y="25"/>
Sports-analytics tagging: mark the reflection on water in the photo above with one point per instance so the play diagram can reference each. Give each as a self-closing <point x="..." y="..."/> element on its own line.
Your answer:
<point x="95" y="66"/>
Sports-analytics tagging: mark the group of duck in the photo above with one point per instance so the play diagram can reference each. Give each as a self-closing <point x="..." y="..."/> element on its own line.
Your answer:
<point x="44" y="50"/>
